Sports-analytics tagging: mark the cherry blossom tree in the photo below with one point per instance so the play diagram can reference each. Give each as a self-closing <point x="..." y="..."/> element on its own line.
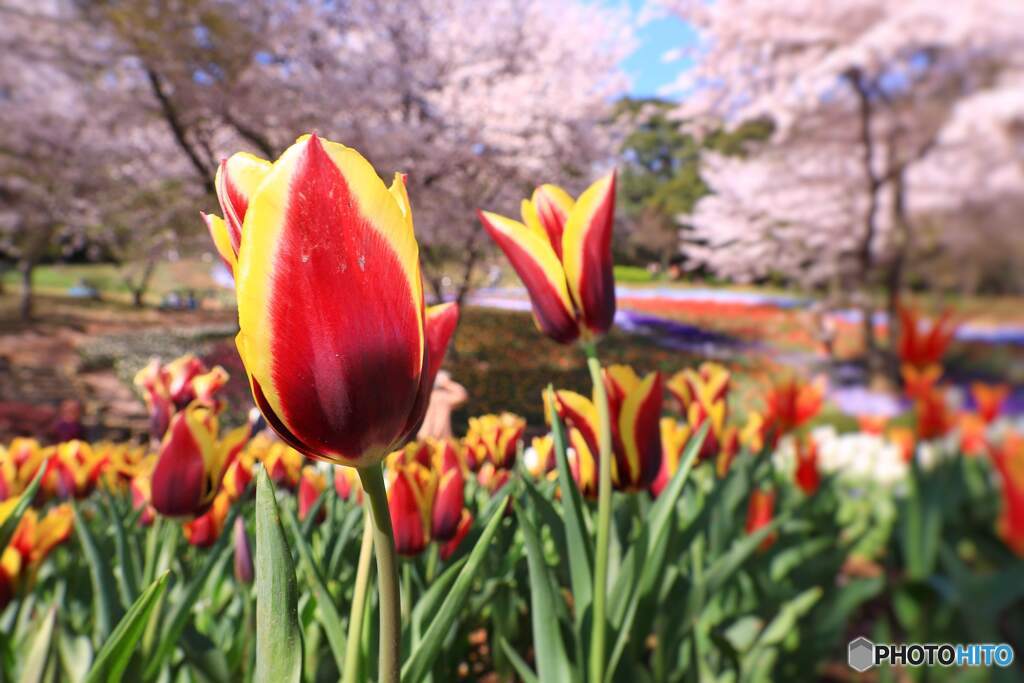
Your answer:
<point x="892" y="123"/>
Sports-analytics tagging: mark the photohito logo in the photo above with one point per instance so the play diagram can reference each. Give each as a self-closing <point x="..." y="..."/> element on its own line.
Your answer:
<point x="862" y="654"/>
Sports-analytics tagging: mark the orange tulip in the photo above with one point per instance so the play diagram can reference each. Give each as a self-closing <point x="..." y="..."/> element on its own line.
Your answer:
<point x="562" y="253"/>
<point x="760" y="512"/>
<point x="340" y="351"/>
<point x="989" y="400"/>
<point x="1009" y="461"/>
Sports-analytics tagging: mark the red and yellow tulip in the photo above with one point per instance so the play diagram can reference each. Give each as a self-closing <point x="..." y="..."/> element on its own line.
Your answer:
<point x="204" y="530"/>
<point x="191" y="462"/>
<point x="635" y="410"/>
<point x="340" y="351"/>
<point x="451" y="498"/>
<point x="494" y="439"/>
<point x="411" y="492"/>
<point x="347" y="484"/>
<point x="283" y="464"/>
<point x="33" y="540"/>
<point x="562" y="252"/>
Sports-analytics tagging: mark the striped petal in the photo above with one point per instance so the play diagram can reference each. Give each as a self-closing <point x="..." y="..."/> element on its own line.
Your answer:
<point x="236" y="182"/>
<point x="541" y="272"/>
<point x="330" y="305"/>
<point x="639" y="430"/>
<point x="181" y="483"/>
<point x="580" y="412"/>
<point x="552" y="205"/>
<point x="221" y="240"/>
<point x="586" y="254"/>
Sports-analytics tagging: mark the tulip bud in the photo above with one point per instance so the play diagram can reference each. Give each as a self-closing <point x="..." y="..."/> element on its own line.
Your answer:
<point x="448" y="505"/>
<point x="410" y="501"/>
<point x="344" y="384"/>
<point x="243" y="553"/>
<point x="190" y="465"/>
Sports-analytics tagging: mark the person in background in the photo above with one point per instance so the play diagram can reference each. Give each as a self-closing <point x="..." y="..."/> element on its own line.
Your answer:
<point x="446" y="396"/>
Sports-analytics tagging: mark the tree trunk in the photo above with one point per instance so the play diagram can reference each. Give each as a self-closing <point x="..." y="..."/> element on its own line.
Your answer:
<point x="139" y="290"/>
<point x="26" y="268"/>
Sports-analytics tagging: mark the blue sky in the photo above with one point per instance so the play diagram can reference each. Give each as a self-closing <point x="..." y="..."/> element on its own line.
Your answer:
<point x="646" y="66"/>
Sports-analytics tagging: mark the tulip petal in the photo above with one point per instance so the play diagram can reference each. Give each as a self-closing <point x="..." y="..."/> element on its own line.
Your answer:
<point x="580" y="412"/>
<point x="639" y="428"/>
<point x="330" y="304"/>
<point x="221" y="240"/>
<point x="236" y="182"/>
<point x="552" y="205"/>
<point x="179" y="484"/>
<point x="441" y="321"/>
<point x="541" y="272"/>
<point x="586" y="254"/>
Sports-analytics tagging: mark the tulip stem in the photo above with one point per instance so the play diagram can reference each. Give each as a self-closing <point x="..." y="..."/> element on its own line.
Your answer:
<point x="604" y="515"/>
<point x="389" y="670"/>
<point x="357" y="613"/>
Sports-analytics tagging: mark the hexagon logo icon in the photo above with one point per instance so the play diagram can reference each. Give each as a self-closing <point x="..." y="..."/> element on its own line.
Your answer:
<point x="861" y="654"/>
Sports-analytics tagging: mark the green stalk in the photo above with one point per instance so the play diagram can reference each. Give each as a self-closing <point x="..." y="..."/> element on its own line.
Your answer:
<point x="604" y="515"/>
<point x="356" y="614"/>
<point x="372" y="478"/>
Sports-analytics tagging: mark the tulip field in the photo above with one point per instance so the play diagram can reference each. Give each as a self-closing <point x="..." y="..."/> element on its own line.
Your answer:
<point x="657" y="525"/>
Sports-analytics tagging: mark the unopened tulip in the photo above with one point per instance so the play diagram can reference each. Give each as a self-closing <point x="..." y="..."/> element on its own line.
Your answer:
<point x="340" y="351"/>
<point x="450" y="499"/>
<point x="244" y="571"/>
<point x="411" y="500"/>
<point x="190" y="466"/>
<point x="562" y="253"/>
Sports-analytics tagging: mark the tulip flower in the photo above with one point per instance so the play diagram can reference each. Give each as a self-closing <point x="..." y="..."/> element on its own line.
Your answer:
<point x="790" y="405"/>
<point x="635" y="410"/>
<point x="807" y="476"/>
<point x="872" y="424"/>
<point x="283" y="464"/>
<point x="921" y="345"/>
<point x="933" y="416"/>
<point x="493" y="438"/>
<point x="449" y="547"/>
<point x="191" y="463"/>
<point x="904" y="439"/>
<point x="411" y="500"/>
<point x="989" y="400"/>
<point x="729" y="446"/>
<point x="1009" y="462"/>
<point x="346" y="484"/>
<point x="311" y="485"/>
<point x="674" y="437"/>
<point x="562" y="253"/>
<point x="919" y="382"/>
<point x="9" y="484"/>
<point x="32" y="541"/>
<point x="760" y="512"/>
<point x="347" y="383"/>
<point x="204" y="530"/>
<point x="244" y="570"/>
<point x="237" y="476"/>
<point x="492" y="478"/>
<point x="706" y="385"/>
<point x="450" y="500"/>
